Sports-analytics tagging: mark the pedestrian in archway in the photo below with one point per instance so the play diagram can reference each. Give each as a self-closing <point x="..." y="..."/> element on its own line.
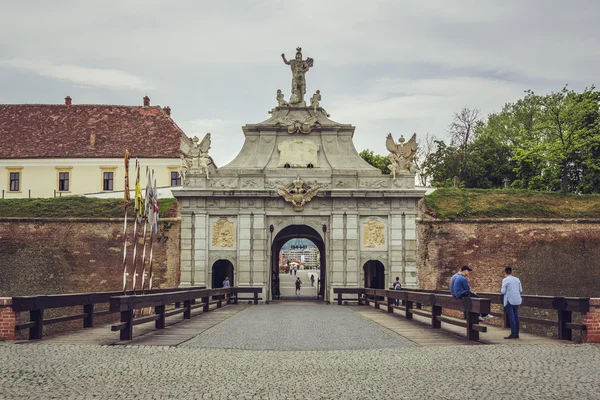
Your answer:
<point x="226" y="285"/>
<point x="312" y="280"/>
<point x="397" y="286"/>
<point x="298" y="285"/>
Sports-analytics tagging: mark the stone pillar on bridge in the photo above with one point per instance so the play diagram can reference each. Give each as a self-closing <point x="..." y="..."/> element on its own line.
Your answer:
<point x="591" y="320"/>
<point x="8" y="319"/>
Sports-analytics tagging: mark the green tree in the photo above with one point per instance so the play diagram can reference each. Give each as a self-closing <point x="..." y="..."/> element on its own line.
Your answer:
<point x="561" y="151"/>
<point x="376" y="160"/>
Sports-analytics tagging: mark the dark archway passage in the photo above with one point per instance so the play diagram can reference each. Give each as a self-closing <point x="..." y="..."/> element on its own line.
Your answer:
<point x="374" y="274"/>
<point x="291" y="232"/>
<point x="220" y="270"/>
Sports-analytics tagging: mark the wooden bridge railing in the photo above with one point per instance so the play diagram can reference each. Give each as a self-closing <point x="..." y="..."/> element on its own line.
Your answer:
<point x="412" y="303"/>
<point x="564" y="306"/>
<point x="126" y="305"/>
<point x="90" y="302"/>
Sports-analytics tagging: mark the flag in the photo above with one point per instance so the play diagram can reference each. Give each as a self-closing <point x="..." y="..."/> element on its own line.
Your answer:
<point x="155" y="207"/>
<point x="126" y="188"/>
<point x="139" y="200"/>
<point x="148" y="206"/>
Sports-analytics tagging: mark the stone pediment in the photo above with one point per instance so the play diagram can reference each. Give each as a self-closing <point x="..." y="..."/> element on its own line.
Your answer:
<point x="296" y="120"/>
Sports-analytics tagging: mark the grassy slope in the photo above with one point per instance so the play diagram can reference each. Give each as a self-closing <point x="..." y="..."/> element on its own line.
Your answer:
<point x="477" y="203"/>
<point x="73" y="207"/>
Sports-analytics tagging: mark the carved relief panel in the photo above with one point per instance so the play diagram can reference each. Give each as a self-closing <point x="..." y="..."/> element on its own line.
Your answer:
<point x="374" y="235"/>
<point x="222" y="233"/>
<point x="298" y="153"/>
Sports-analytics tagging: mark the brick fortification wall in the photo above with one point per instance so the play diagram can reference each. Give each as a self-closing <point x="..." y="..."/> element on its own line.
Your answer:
<point x="73" y="256"/>
<point x="551" y="257"/>
<point x="554" y="258"/>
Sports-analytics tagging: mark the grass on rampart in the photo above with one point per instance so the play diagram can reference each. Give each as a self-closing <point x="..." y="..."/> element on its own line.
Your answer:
<point x="74" y="207"/>
<point x="450" y="203"/>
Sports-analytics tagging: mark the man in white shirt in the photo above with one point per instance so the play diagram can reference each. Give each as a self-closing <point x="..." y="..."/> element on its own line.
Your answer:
<point x="512" y="289"/>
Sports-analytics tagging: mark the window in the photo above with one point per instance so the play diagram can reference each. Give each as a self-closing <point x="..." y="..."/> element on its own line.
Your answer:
<point x="175" y="178"/>
<point x="107" y="181"/>
<point x="15" y="181"/>
<point x="63" y="181"/>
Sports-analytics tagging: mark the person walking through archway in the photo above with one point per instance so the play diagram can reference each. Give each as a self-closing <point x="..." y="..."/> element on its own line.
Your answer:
<point x="397" y="286"/>
<point x="312" y="280"/>
<point x="298" y="285"/>
<point x="226" y="285"/>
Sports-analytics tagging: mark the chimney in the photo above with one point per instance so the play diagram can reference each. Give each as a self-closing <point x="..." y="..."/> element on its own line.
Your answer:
<point x="146" y="101"/>
<point x="68" y="100"/>
<point x="167" y="110"/>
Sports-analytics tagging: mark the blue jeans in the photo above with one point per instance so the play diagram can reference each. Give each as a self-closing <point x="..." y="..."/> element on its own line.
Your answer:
<point x="513" y="319"/>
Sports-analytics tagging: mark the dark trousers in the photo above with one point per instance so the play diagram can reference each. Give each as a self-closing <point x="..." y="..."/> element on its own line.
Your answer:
<point x="513" y="318"/>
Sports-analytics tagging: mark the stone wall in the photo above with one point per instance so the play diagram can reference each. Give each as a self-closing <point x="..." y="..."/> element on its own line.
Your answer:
<point x="551" y="257"/>
<point x="49" y="256"/>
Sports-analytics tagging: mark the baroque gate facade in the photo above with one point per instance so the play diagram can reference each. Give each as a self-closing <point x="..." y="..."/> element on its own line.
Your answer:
<point x="298" y="169"/>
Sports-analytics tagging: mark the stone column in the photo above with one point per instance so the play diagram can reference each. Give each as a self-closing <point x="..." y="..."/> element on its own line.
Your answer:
<point x="352" y="250"/>
<point x="201" y="250"/>
<point x="259" y="250"/>
<point x="410" y="249"/>
<point x="396" y="259"/>
<point x="8" y="319"/>
<point x="244" y="237"/>
<point x="591" y="320"/>
<point x="336" y="264"/>
<point x="185" y="266"/>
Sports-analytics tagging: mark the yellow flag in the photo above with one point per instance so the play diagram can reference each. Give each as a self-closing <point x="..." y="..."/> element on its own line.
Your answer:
<point x="139" y="200"/>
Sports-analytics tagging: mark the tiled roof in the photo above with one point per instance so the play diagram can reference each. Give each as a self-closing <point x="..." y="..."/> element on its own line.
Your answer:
<point x="64" y="131"/>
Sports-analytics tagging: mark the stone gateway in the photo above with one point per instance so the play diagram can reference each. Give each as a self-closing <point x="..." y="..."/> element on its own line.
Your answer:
<point x="298" y="175"/>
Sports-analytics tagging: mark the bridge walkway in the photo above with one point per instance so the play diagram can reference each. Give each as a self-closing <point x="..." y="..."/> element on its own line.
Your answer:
<point x="292" y="326"/>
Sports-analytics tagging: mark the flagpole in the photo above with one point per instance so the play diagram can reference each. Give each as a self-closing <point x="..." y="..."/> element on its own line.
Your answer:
<point x="145" y="216"/>
<point x="154" y="227"/>
<point x="138" y="212"/>
<point x="126" y="204"/>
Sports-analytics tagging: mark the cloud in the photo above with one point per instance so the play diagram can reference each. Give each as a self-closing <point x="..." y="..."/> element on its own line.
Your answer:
<point x="419" y="105"/>
<point x="79" y="75"/>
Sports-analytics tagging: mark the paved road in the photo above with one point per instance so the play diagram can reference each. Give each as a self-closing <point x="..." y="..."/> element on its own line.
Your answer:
<point x="298" y="327"/>
<point x="474" y="372"/>
<point x="288" y="287"/>
<point x="305" y="351"/>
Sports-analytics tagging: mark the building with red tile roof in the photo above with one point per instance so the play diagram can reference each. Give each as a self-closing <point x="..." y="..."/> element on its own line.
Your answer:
<point x="49" y="149"/>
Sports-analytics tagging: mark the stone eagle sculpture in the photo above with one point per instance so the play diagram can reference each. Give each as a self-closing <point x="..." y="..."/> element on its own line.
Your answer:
<point x="197" y="160"/>
<point x="298" y="193"/>
<point x="401" y="155"/>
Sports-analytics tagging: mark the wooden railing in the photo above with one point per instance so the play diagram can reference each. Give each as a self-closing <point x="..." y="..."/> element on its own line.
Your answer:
<point x="564" y="306"/>
<point x="126" y="305"/>
<point x="412" y="303"/>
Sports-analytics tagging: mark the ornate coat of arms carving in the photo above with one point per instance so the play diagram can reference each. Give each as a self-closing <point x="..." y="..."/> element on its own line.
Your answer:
<point x="298" y="193"/>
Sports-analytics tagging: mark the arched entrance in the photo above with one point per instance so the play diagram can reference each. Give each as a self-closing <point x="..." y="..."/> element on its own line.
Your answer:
<point x="291" y="232"/>
<point x="220" y="270"/>
<point x="374" y="274"/>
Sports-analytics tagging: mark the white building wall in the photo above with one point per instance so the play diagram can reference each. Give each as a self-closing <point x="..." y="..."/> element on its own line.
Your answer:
<point x="39" y="177"/>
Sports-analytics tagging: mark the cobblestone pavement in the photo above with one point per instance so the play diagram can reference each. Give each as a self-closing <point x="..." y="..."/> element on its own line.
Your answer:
<point x="298" y="327"/>
<point x="39" y="371"/>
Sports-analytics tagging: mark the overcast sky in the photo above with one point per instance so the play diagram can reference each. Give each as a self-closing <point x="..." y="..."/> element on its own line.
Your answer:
<point x="381" y="65"/>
